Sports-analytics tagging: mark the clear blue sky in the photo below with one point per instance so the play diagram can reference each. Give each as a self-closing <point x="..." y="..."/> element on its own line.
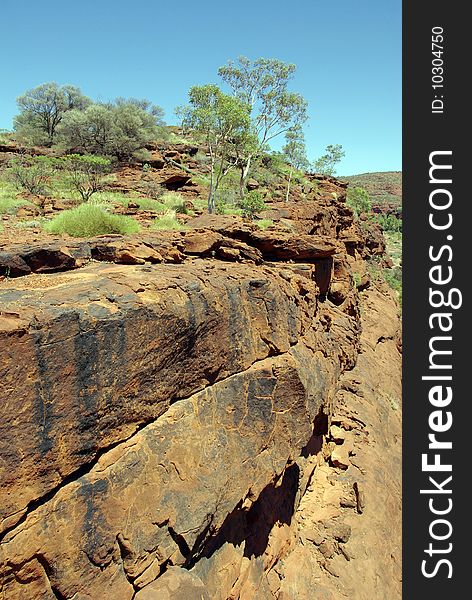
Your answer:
<point x="348" y="54"/>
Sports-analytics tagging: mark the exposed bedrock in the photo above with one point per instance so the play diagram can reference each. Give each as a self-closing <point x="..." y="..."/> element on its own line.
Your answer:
<point x="117" y="463"/>
<point x="199" y="415"/>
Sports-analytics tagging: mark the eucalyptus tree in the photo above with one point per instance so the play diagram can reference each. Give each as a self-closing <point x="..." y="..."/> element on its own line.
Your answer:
<point x="263" y="86"/>
<point x="43" y="108"/>
<point x="326" y="164"/>
<point x="224" y="123"/>
<point x="294" y="152"/>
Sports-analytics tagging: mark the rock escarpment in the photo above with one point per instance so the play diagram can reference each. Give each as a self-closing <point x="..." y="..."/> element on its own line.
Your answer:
<point x="198" y="414"/>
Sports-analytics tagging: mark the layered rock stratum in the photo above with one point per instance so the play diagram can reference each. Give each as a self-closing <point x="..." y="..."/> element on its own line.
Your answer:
<point x="213" y="413"/>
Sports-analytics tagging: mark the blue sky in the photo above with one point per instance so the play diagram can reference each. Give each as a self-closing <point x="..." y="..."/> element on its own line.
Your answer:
<point x="347" y="52"/>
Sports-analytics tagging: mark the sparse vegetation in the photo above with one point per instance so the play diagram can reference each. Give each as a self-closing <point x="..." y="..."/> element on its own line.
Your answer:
<point x="151" y="188"/>
<point x="168" y="222"/>
<point x="383" y="188"/>
<point x="252" y="203"/>
<point x="9" y="202"/>
<point x="327" y="163"/>
<point x="30" y="173"/>
<point x="358" y="199"/>
<point x="86" y="174"/>
<point x="89" y="220"/>
<point x="31" y="224"/>
<point x="264" y="223"/>
<point x="393" y="276"/>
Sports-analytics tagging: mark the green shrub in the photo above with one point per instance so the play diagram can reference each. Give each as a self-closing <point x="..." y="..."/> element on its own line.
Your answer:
<point x="86" y="174"/>
<point x="149" y="204"/>
<point x="42" y="110"/>
<point x="394" y="279"/>
<point x="121" y="128"/>
<point x="252" y="203"/>
<point x="393" y="276"/>
<point x="390" y="223"/>
<point x="358" y="199"/>
<point x="174" y="201"/>
<point x="88" y="220"/>
<point x="151" y="188"/>
<point x="30" y="173"/>
<point x="227" y="202"/>
<point x="168" y="222"/>
<point x="9" y="206"/>
<point x="32" y="224"/>
<point x="264" y="223"/>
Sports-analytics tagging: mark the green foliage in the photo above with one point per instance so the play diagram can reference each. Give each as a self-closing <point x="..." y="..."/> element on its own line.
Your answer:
<point x="264" y="223"/>
<point x="120" y="129"/>
<point x="43" y="108"/>
<point x="262" y="85"/>
<point x="9" y="206"/>
<point x="174" y="201"/>
<point x="148" y="204"/>
<point x="252" y="203"/>
<point x="226" y="204"/>
<point x="393" y="241"/>
<point x="86" y="174"/>
<point x="111" y="198"/>
<point x="294" y="150"/>
<point x="223" y="121"/>
<point x="295" y="153"/>
<point x="326" y="164"/>
<point x="5" y="136"/>
<point x="168" y="222"/>
<point x="88" y="220"/>
<point x="358" y="199"/>
<point x="393" y="277"/>
<point x="357" y="279"/>
<point x="390" y="223"/>
<point x="9" y="203"/>
<point x="30" y="173"/>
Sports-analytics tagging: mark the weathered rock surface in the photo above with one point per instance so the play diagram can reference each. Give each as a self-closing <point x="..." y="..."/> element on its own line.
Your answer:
<point x="93" y="354"/>
<point x="201" y="414"/>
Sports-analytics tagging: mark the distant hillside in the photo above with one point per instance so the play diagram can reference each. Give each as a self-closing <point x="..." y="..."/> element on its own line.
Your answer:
<point x="383" y="188"/>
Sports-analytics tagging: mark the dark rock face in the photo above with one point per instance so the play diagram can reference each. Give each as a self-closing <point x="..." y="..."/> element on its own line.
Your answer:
<point x="110" y="348"/>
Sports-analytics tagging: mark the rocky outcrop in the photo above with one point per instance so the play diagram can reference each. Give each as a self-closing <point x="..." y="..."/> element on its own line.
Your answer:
<point x="200" y="414"/>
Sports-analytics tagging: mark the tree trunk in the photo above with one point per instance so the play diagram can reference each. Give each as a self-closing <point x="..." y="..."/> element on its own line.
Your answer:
<point x="244" y="173"/>
<point x="211" y="193"/>
<point x="288" y="185"/>
<point x="211" y="199"/>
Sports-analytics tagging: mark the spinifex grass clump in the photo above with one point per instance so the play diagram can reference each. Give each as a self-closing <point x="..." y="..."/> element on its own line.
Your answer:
<point x="168" y="222"/>
<point x="88" y="220"/>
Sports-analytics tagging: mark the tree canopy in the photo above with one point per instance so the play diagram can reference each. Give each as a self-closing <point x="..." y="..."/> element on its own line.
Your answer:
<point x="43" y="108"/>
<point x="326" y="164"/>
<point x="224" y="123"/>
<point x="119" y="128"/>
<point x="263" y="86"/>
